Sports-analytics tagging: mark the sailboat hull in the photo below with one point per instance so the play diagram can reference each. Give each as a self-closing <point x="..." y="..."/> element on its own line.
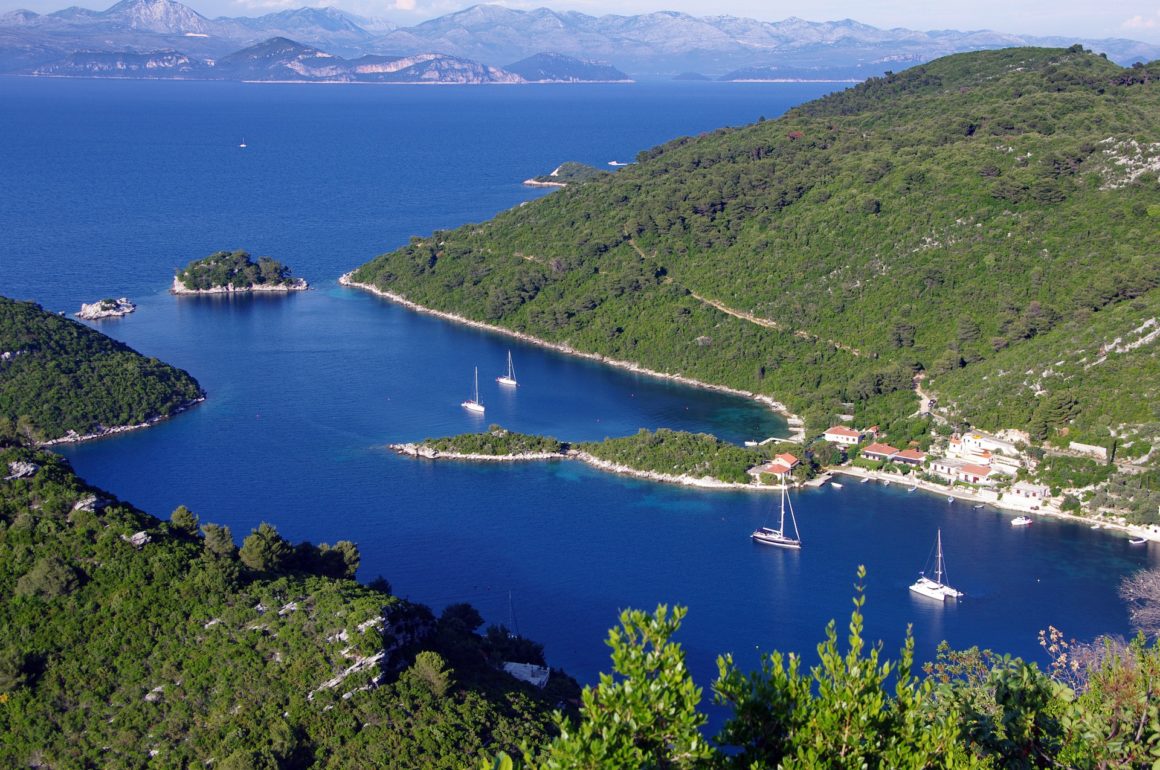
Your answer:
<point x="473" y="406"/>
<point x="767" y="536"/>
<point x="510" y="382"/>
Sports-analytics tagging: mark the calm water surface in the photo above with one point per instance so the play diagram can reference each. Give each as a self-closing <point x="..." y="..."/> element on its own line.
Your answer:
<point x="109" y="186"/>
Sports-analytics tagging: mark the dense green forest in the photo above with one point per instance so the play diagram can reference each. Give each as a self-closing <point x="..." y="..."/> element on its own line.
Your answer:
<point x="955" y="219"/>
<point x="234" y="268"/>
<point x="57" y="375"/>
<point x="129" y="642"/>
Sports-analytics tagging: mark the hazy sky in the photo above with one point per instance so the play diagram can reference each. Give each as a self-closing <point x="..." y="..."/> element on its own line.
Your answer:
<point x="1136" y="19"/>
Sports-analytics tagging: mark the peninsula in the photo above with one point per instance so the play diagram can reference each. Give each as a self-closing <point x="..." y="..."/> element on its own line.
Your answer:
<point x="922" y="253"/>
<point x="569" y="172"/>
<point x="234" y="272"/>
<point x="668" y="456"/>
<point x="62" y="381"/>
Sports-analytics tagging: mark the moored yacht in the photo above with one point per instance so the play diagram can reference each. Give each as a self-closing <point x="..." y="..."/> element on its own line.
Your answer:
<point x="935" y="589"/>
<point x="779" y="537"/>
<point x="473" y="404"/>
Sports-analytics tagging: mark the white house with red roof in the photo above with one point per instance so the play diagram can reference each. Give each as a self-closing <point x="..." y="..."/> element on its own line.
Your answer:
<point x="840" y="434"/>
<point x="779" y="467"/>
<point x="912" y="457"/>
<point x="878" y="451"/>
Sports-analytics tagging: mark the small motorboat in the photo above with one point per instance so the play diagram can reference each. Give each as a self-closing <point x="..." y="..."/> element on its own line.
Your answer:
<point x="1138" y="540"/>
<point x="835" y="485"/>
<point x="1021" y="521"/>
<point x="977" y="506"/>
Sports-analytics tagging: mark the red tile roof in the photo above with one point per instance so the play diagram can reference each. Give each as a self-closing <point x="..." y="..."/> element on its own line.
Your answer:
<point x="912" y="454"/>
<point x="842" y="430"/>
<point x="788" y="459"/>
<point x="976" y="470"/>
<point x="880" y="449"/>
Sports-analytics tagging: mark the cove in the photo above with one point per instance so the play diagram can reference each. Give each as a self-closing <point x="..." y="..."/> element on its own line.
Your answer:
<point x="111" y="185"/>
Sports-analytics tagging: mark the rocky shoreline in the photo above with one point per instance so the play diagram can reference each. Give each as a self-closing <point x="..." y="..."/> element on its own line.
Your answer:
<point x="72" y="437"/>
<point x="298" y="284"/>
<point x="794" y="422"/>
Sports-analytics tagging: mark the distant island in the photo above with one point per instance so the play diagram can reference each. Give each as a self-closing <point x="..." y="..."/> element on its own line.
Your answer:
<point x="105" y="308"/>
<point x="569" y="172"/>
<point x="61" y="381"/>
<point x="558" y="68"/>
<point x="231" y="272"/>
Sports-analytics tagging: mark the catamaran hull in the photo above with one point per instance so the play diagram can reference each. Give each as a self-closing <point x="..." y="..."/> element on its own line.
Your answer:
<point x="928" y="592"/>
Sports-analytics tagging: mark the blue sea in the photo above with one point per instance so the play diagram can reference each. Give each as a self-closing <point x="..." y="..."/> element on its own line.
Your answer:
<point x="109" y="186"/>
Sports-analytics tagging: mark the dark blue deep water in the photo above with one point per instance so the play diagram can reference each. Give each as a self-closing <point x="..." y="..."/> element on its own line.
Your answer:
<point x="108" y="186"/>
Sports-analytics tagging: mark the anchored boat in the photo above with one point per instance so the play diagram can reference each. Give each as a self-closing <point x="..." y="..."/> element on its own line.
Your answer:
<point x="779" y="537"/>
<point x="508" y="379"/>
<point x="935" y="589"/>
<point x="473" y="404"/>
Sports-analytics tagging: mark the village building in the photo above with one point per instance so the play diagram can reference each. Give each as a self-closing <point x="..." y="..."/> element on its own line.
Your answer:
<point x="878" y="451"/>
<point x="911" y="457"/>
<point x="947" y="467"/>
<point x="779" y="467"/>
<point x="840" y="434"/>
<point x="1029" y="491"/>
<point x="956" y="469"/>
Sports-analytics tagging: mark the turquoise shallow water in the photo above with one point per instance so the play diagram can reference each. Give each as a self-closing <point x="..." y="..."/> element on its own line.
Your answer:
<point x="111" y="185"/>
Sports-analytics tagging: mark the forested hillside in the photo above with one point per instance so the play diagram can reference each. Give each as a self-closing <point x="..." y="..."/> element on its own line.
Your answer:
<point x="57" y="376"/>
<point x="129" y="642"/>
<point x="952" y="219"/>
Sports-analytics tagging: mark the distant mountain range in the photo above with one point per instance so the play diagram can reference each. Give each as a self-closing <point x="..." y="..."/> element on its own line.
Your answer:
<point x="164" y="38"/>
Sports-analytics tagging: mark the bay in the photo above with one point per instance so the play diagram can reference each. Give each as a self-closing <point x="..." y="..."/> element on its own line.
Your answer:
<point x="111" y="185"/>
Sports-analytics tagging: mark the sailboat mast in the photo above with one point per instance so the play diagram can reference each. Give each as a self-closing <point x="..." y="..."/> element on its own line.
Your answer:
<point x="938" y="565"/>
<point x="781" y="526"/>
<point x="477" y="384"/>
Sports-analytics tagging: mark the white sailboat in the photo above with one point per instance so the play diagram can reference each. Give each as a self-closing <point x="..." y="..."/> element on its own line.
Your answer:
<point x="243" y="144"/>
<point x="778" y="537"/>
<point x="473" y="404"/>
<point x="508" y="379"/>
<point x="935" y="589"/>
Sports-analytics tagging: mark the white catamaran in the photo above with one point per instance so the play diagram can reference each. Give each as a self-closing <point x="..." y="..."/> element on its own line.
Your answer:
<point x="473" y="404"/>
<point x="936" y="589"/>
<point x="509" y="378"/>
<point x="778" y="536"/>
